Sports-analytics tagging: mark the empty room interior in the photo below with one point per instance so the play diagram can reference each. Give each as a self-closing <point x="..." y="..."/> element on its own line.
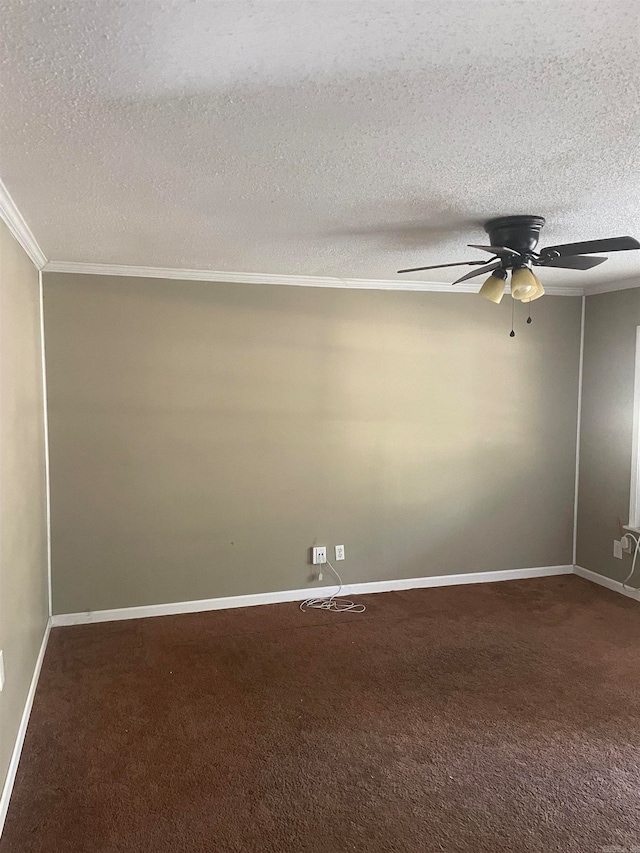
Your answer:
<point x="319" y="426"/>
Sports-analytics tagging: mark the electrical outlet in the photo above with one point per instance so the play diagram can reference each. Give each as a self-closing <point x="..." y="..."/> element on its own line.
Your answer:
<point x="319" y="556"/>
<point x="617" y="549"/>
<point x="339" y="552"/>
<point x="1" y="670"/>
<point x="628" y="544"/>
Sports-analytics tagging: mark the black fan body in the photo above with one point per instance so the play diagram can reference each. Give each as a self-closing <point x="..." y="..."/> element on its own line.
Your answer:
<point x="513" y="241"/>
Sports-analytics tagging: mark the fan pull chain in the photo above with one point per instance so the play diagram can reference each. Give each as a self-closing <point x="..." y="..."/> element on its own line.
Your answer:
<point x="512" y="333"/>
<point x="529" y="320"/>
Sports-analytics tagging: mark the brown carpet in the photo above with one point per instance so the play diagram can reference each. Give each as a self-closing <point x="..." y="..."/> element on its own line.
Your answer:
<point x="492" y="717"/>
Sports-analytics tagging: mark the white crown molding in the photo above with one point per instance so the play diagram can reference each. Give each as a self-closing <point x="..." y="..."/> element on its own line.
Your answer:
<point x="610" y="286"/>
<point x="286" y="595"/>
<point x="16" y="224"/>
<point x="272" y="278"/>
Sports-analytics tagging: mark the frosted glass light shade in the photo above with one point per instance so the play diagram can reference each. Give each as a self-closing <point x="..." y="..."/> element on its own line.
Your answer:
<point x="539" y="291"/>
<point x="493" y="288"/>
<point x="525" y="287"/>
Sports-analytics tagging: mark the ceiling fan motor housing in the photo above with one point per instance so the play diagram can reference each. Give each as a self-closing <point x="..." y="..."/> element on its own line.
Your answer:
<point x="513" y="247"/>
<point x="520" y="233"/>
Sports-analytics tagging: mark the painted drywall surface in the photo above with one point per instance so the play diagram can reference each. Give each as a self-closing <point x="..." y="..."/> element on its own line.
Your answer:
<point x="23" y="546"/>
<point x="203" y="436"/>
<point x="611" y="320"/>
<point x="318" y="138"/>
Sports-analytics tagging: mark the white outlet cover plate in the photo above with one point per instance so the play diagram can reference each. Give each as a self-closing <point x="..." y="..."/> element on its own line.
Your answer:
<point x="617" y="549"/>
<point x="339" y="552"/>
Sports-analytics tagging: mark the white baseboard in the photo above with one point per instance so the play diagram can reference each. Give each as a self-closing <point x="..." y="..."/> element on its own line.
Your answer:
<point x="610" y="583"/>
<point x="301" y="594"/>
<point x="22" y="730"/>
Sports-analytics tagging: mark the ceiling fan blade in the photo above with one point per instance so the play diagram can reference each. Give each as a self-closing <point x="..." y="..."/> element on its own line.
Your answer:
<point x="474" y="273"/>
<point x="442" y="266"/>
<point x="575" y="262"/>
<point x="612" y="244"/>
<point x="500" y="251"/>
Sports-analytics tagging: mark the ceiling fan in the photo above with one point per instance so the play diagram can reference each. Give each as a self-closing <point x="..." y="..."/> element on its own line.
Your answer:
<point x="513" y="240"/>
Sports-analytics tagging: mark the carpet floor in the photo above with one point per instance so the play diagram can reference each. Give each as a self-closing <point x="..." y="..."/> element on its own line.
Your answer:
<point x="492" y="717"/>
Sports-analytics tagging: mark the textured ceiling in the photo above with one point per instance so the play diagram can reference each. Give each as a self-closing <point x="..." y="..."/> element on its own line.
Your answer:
<point x="319" y="138"/>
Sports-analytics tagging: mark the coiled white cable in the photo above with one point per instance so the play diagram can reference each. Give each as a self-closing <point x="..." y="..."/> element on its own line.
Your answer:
<point x="333" y="603"/>
<point x="636" y="539"/>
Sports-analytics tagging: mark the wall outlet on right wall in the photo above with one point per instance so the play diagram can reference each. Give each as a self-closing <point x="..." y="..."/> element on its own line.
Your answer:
<point x="628" y="544"/>
<point x="617" y="549"/>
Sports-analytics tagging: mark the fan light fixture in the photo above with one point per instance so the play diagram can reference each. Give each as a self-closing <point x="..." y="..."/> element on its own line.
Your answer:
<point x="513" y="241"/>
<point x="525" y="286"/>
<point x="494" y="287"/>
<point x="539" y="292"/>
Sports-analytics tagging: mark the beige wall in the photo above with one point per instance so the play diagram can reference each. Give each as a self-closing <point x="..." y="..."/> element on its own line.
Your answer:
<point x="203" y="436"/>
<point x="23" y="549"/>
<point x="611" y="320"/>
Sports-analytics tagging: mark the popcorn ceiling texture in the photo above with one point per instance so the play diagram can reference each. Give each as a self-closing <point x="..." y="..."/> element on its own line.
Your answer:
<point x="319" y="138"/>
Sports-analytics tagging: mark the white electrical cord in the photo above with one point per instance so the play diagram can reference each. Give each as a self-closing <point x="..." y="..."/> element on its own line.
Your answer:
<point x="333" y="603"/>
<point x="636" y="539"/>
